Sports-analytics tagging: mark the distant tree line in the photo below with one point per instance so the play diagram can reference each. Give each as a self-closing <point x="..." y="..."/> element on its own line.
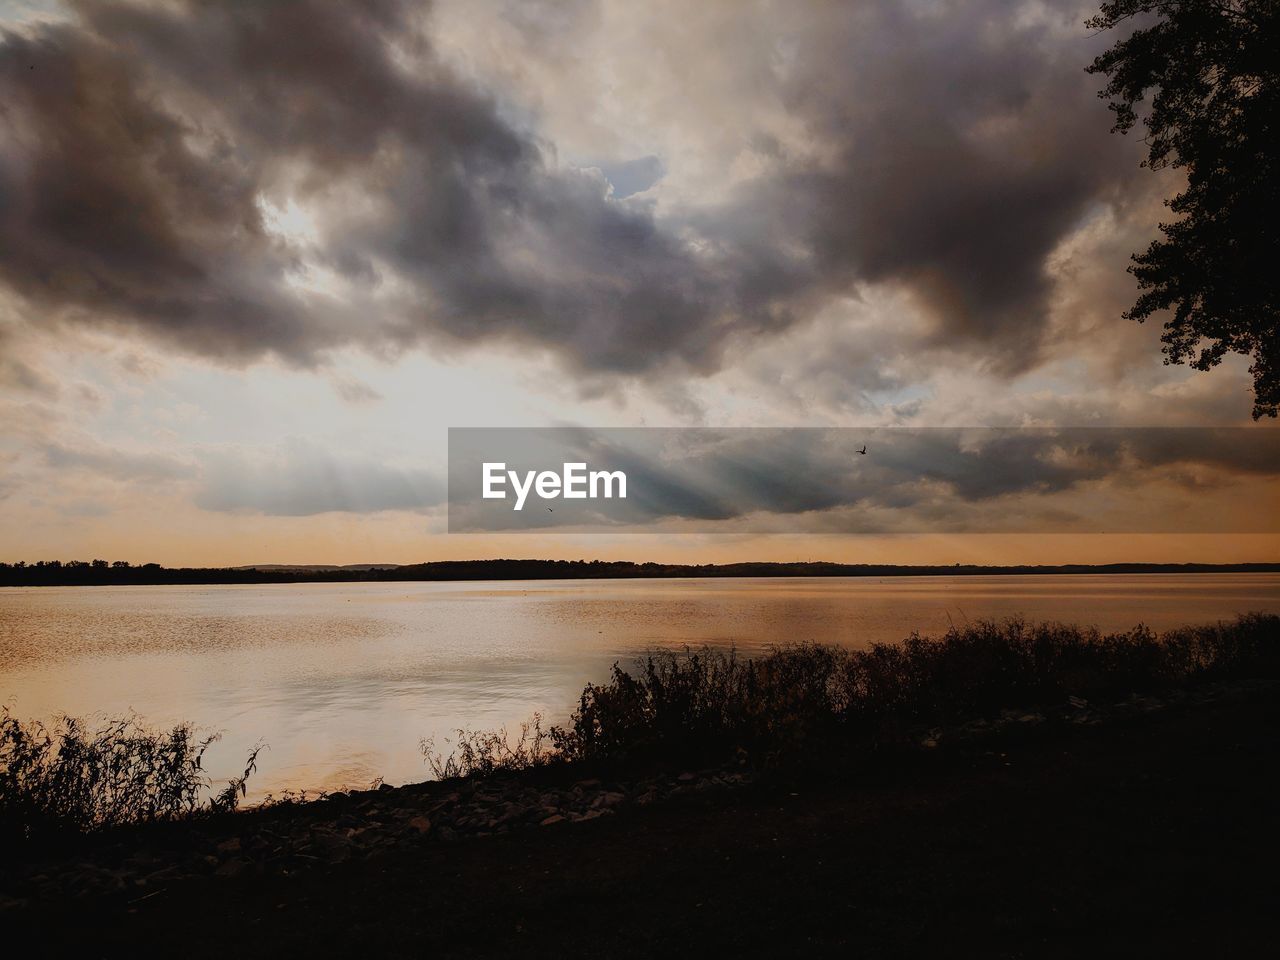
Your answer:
<point x="120" y="572"/>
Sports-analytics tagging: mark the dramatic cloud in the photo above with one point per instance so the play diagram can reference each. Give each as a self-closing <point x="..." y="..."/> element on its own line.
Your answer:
<point x="109" y="210"/>
<point x="142" y="142"/>
<point x="256" y="256"/>
<point x="964" y="144"/>
<point x="944" y="149"/>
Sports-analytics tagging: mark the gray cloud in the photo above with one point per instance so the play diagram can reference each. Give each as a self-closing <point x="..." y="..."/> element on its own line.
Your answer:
<point x="108" y="212"/>
<point x="354" y="391"/>
<point x="965" y="142"/>
<point x="633" y="176"/>
<point x="117" y="464"/>
<point x="300" y="480"/>
<point x="953" y="148"/>
<point x="17" y="374"/>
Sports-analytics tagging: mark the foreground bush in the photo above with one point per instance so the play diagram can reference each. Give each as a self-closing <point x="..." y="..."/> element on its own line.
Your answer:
<point x="803" y="701"/>
<point x="69" y="778"/>
<point x="483" y="753"/>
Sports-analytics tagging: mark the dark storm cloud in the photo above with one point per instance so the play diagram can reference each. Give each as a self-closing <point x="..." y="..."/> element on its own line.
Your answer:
<point x="139" y="140"/>
<point x="965" y="145"/>
<point x="108" y="212"/>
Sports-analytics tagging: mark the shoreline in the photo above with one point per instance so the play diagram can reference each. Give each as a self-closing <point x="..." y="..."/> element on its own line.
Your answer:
<point x="1010" y="785"/>
<point x="303" y="828"/>
<point x="793" y="706"/>
<point x="1084" y="836"/>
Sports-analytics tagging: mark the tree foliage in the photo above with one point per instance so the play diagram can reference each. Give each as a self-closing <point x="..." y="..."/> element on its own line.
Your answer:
<point x="1200" y="75"/>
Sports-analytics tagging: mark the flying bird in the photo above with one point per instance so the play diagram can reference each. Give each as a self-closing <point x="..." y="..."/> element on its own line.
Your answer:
<point x="549" y="510"/>
<point x="864" y="449"/>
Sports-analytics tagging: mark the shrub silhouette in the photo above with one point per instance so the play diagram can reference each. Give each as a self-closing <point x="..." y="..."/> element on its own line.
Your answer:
<point x="806" y="700"/>
<point x="68" y="778"/>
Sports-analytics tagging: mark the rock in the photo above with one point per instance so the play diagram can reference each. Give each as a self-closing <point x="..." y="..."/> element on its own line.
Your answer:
<point x="385" y="788"/>
<point x="687" y="777"/>
<point x="232" y="868"/>
<point x="554" y="818"/>
<point x="329" y="846"/>
<point x="420" y="824"/>
<point x="161" y="876"/>
<point x="338" y="854"/>
<point x="229" y="846"/>
<point x="508" y="813"/>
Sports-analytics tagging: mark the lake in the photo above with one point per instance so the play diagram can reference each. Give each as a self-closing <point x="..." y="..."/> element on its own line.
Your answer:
<point x="341" y="681"/>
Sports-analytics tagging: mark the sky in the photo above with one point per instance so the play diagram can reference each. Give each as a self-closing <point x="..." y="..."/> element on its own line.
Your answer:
<point x="257" y="258"/>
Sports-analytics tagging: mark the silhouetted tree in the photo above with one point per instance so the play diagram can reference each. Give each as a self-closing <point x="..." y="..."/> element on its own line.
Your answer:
<point x="1210" y="67"/>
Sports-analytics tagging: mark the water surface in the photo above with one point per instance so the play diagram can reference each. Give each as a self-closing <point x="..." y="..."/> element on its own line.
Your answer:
<point x="343" y="680"/>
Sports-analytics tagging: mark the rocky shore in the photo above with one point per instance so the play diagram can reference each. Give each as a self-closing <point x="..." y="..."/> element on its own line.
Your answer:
<point x="286" y="839"/>
<point x="1145" y="829"/>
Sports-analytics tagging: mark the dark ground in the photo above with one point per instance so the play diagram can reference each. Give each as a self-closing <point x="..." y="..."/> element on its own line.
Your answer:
<point x="1152" y="837"/>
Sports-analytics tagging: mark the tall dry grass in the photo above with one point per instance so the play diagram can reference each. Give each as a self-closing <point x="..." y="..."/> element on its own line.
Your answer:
<point x="70" y="778"/>
<point x="810" y="699"/>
